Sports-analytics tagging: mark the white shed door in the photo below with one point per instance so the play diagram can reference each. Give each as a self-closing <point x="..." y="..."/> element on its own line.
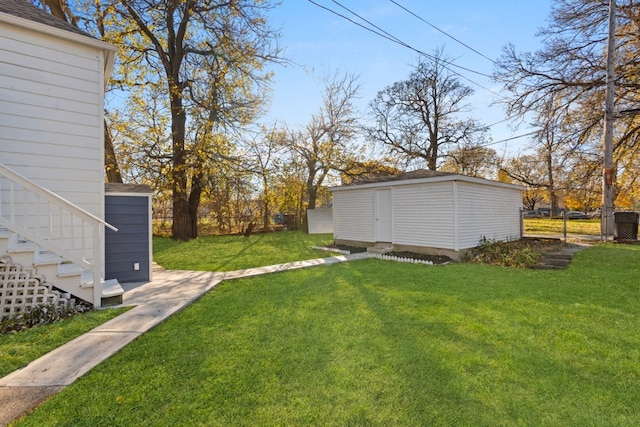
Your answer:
<point x="384" y="231"/>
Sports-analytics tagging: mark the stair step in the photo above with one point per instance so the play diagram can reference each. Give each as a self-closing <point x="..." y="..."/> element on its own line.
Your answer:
<point x="111" y="287"/>
<point x="554" y="261"/>
<point x="21" y="252"/>
<point x="380" y="248"/>
<point x="112" y="292"/>
<point x="547" y="267"/>
<point x="46" y="258"/>
<point x="560" y="256"/>
<point x="69" y="270"/>
<point x="560" y="262"/>
<point x="5" y="236"/>
<point x="23" y="247"/>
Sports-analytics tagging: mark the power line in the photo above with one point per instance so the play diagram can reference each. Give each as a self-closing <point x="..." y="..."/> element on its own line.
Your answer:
<point x="386" y="35"/>
<point x="404" y="44"/>
<point x="465" y="45"/>
<point x="442" y="31"/>
<point x="508" y="139"/>
<point x="506" y="119"/>
<point x="400" y="42"/>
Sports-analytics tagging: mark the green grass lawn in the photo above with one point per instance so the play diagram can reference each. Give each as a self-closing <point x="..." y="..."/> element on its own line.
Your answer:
<point x="18" y="349"/>
<point x="382" y="343"/>
<point x="556" y="226"/>
<point x="227" y="253"/>
<point x="221" y="253"/>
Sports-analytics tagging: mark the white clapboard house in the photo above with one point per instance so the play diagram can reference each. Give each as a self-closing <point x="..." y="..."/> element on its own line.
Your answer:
<point x="52" y="198"/>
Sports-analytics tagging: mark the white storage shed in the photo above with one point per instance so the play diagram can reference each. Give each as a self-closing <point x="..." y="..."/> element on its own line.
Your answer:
<point x="427" y="212"/>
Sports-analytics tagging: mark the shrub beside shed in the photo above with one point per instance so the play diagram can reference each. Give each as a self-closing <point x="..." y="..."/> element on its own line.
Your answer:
<point x="427" y="212"/>
<point x="128" y="252"/>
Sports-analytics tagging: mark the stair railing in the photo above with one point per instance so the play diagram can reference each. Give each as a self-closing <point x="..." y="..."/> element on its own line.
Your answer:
<point x="54" y="223"/>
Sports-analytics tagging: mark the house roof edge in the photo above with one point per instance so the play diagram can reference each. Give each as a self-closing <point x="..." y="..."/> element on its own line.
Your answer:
<point x="109" y="50"/>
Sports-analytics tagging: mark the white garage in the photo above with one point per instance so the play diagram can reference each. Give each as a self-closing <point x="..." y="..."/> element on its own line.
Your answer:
<point x="427" y="211"/>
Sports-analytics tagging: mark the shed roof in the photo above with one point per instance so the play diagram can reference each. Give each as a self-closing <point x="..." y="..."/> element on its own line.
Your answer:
<point x="422" y="176"/>
<point x="416" y="174"/>
<point x="112" y="187"/>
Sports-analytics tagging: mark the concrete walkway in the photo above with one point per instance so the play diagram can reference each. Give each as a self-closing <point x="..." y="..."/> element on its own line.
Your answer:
<point x="169" y="292"/>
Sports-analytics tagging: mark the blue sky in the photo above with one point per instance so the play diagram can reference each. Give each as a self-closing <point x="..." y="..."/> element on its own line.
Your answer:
<point x="319" y="42"/>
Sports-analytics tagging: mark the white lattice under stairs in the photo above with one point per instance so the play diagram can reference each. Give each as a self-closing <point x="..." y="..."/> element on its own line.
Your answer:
<point x="47" y="270"/>
<point x="21" y="288"/>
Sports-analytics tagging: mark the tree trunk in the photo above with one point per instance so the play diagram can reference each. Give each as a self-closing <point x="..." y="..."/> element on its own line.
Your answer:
<point x="300" y="214"/>
<point x="182" y="227"/>
<point x="265" y="213"/>
<point x="554" y="202"/>
<point x="313" y="195"/>
<point x="110" y="161"/>
<point x="553" y="197"/>
<point x="431" y="164"/>
<point x="266" y="220"/>
<point x="433" y="158"/>
<point x="194" y="199"/>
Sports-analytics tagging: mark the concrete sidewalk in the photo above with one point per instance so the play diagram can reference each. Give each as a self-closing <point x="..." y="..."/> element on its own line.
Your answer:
<point x="169" y="292"/>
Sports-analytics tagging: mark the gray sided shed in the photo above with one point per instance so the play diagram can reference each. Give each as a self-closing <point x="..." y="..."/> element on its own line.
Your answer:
<point x="128" y="252"/>
<point x="427" y="212"/>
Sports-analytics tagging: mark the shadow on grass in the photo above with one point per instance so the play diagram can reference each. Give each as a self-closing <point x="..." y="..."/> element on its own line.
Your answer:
<point x="436" y="394"/>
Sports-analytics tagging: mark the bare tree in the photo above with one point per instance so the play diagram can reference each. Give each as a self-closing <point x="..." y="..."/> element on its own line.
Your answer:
<point x="583" y="183"/>
<point x="326" y="144"/>
<point x="263" y="162"/>
<point x="564" y="81"/>
<point x="419" y="118"/>
<point x="545" y="169"/>
<point x="478" y="161"/>
<point x="530" y="171"/>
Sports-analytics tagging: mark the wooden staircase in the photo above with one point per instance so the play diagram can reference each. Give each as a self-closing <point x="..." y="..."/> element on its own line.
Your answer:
<point x="31" y="276"/>
<point x="54" y="239"/>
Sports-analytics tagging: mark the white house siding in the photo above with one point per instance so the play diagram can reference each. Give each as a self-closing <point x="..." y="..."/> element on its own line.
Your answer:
<point x="487" y="212"/>
<point x="353" y="215"/>
<point x="423" y="215"/>
<point x="51" y="102"/>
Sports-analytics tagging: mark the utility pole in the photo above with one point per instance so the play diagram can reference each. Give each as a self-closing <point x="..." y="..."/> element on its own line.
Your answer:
<point x="608" y="172"/>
